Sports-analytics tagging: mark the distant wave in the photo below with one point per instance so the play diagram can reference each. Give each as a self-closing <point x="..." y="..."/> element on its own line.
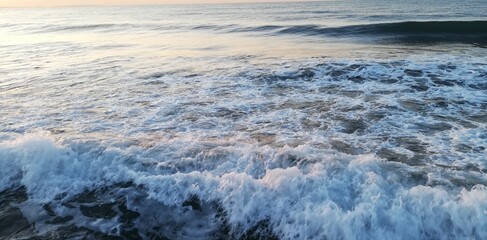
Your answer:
<point x="471" y="32"/>
<point x="411" y="31"/>
<point x="465" y="28"/>
<point x="88" y="27"/>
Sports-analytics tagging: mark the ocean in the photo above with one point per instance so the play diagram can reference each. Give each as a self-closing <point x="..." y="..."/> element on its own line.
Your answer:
<point x="319" y="120"/>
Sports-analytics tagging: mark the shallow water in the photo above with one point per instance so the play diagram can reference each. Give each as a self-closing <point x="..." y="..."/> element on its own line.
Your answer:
<point x="331" y="120"/>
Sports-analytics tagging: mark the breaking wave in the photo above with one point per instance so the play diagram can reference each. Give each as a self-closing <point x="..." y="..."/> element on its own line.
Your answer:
<point x="326" y="196"/>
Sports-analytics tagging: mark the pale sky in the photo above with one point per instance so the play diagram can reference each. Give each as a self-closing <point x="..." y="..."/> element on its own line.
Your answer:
<point x="46" y="3"/>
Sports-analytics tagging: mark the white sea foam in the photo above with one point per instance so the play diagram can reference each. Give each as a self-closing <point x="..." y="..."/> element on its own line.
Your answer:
<point x="327" y="195"/>
<point x="48" y="169"/>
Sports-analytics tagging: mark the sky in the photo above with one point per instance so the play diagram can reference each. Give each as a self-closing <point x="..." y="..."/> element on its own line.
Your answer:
<point x="47" y="3"/>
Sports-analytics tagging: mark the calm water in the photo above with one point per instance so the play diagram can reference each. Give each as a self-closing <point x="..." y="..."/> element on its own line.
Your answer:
<point x="324" y="120"/>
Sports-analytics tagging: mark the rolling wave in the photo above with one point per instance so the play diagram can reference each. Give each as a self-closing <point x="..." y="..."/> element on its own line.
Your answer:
<point x="410" y="32"/>
<point x="470" y="32"/>
<point x="428" y="28"/>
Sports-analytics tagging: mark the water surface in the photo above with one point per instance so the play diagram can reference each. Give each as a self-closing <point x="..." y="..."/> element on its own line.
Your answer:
<point x="320" y="120"/>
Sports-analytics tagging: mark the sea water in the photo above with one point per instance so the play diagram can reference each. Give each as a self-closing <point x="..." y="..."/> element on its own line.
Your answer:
<point x="318" y="120"/>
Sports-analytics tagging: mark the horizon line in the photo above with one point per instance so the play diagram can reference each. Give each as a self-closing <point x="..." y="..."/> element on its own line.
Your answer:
<point x="164" y="4"/>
